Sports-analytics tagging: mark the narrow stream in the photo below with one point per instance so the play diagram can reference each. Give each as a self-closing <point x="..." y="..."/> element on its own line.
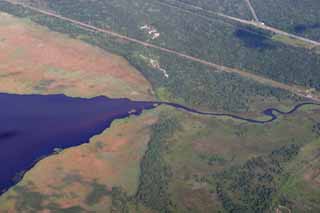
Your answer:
<point x="34" y="126"/>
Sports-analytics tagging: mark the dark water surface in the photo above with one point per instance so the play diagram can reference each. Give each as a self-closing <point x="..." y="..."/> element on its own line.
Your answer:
<point x="272" y="113"/>
<point x="301" y="28"/>
<point x="253" y="39"/>
<point x="32" y="126"/>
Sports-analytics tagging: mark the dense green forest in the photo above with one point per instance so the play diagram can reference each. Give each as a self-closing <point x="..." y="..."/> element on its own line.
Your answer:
<point x="251" y="187"/>
<point x="155" y="173"/>
<point x="230" y="7"/>
<point x="300" y="17"/>
<point x="214" y="39"/>
<point x="188" y="83"/>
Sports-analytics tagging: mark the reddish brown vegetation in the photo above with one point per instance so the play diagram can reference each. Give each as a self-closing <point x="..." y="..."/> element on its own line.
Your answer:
<point x="35" y="60"/>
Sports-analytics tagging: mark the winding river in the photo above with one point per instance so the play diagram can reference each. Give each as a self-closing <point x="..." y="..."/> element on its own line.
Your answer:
<point x="272" y="113"/>
<point x="34" y="126"/>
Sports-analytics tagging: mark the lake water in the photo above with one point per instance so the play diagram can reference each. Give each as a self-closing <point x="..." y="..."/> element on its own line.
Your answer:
<point x="253" y="39"/>
<point x="33" y="126"/>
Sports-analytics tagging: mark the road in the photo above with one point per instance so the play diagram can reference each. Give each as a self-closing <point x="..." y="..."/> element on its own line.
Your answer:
<point x="256" y="24"/>
<point x="292" y="88"/>
<point x="269" y="28"/>
<point x="254" y="14"/>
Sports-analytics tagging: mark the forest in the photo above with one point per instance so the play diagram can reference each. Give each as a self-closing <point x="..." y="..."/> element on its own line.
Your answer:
<point x="189" y="83"/>
<point x="299" y="17"/>
<point x="251" y="187"/>
<point x="213" y="39"/>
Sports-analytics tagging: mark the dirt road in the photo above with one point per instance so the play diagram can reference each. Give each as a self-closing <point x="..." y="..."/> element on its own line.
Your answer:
<point x="253" y="12"/>
<point x="255" y="23"/>
<point x="292" y="88"/>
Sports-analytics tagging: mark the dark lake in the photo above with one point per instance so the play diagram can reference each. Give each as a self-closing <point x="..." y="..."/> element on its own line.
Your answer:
<point x="301" y="28"/>
<point x="32" y="126"/>
<point x="253" y="39"/>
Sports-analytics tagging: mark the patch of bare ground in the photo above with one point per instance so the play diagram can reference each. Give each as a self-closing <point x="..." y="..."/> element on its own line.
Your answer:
<point x="313" y="176"/>
<point x="36" y="60"/>
<point x="312" y="171"/>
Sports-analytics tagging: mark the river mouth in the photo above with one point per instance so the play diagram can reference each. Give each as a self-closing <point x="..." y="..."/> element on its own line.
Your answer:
<point x="35" y="126"/>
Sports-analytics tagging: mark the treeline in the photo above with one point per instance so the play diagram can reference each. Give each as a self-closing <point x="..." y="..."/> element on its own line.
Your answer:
<point x="200" y="86"/>
<point x="155" y="172"/>
<point x="212" y="40"/>
<point x="189" y="82"/>
<point x="253" y="186"/>
<point x="229" y="7"/>
<point x="286" y="15"/>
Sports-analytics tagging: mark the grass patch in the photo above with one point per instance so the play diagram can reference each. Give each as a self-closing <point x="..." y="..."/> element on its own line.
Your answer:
<point x="154" y="177"/>
<point x="98" y="191"/>
<point x="291" y="41"/>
